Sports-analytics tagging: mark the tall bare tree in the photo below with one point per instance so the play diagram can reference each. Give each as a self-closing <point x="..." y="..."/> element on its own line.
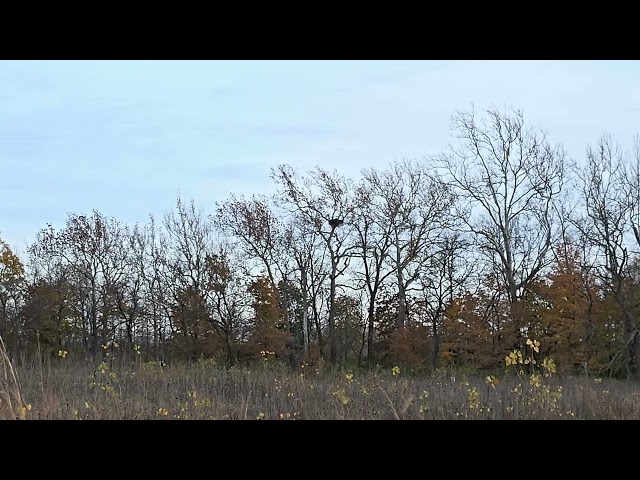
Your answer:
<point x="205" y="287"/>
<point x="190" y="240"/>
<point x="149" y="260"/>
<point x="631" y="187"/>
<point x="510" y="178"/>
<point x="306" y="247"/>
<point x="373" y="242"/>
<point x="125" y="265"/>
<point x="413" y="207"/>
<point x="606" y="224"/>
<point x="446" y="276"/>
<point x="325" y="200"/>
<point x="225" y="298"/>
<point x="258" y="232"/>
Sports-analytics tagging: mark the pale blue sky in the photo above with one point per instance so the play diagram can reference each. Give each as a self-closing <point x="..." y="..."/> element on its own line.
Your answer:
<point x="124" y="137"/>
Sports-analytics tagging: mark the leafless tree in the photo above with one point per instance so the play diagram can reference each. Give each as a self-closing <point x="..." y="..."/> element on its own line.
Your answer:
<point x="151" y="254"/>
<point x="259" y="234"/>
<point x="447" y="275"/>
<point x="306" y="247"/>
<point x="325" y="200"/>
<point x="631" y="187"/>
<point x="124" y="267"/>
<point x="510" y="179"/>
<point x="605" y="224"/>
<point x="412" y="207"/>
<point x="373" y="242"/>
<point x="225" y="297"/>
<point x="204" y="284"/>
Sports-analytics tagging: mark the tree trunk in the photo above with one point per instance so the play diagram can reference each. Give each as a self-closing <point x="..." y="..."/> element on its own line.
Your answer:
<point x="402" y="304"/>
<point x="333" y="350"/>
<point x="435" y="338"/>
<point x="305" y="309"/>
<point x="371" y="334"/>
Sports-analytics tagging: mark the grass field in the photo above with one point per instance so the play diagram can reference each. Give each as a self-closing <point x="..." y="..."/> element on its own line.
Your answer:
<point x="65" y="389"/>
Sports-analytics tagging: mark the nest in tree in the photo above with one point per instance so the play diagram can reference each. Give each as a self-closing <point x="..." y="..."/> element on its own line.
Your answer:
<point x="335" y="222"/>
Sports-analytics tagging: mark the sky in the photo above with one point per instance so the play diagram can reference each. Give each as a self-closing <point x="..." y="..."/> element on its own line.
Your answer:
<point x="127" y="137"/>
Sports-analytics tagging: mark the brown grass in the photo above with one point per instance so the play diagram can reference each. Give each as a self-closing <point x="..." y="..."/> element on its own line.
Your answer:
<point x="11" y="403"/>
<point x="64" y="389"/>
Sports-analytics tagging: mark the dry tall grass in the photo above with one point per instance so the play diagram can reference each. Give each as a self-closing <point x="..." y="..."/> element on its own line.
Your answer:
<point x="65" y="389"/>
<point x="12" y="404"/>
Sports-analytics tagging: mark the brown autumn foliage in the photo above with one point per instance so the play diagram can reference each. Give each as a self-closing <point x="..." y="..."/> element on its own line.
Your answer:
<point x="477" y="333"/>
<point x="11" y="289"/>
<point x="558" y="308"/>
<point x="268" y="337"/>
<point x="409" y="347"/>
<point x="192" y="326"/>
<point x="45" y="314"/>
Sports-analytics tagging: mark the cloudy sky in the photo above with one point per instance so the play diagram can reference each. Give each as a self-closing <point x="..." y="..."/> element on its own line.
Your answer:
<point x="125" y="137"/>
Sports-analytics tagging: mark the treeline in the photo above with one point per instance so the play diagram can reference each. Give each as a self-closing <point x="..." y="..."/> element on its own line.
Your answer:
<point x="452" y="261"/>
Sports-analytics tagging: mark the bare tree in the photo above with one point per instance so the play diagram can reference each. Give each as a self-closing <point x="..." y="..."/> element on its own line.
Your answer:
<point x="605" y="225"/>
<point x="151" y="255"/>
<point x="125" y="265"/>
<point x="444" y="278"/>
<point x="225" y="298"/>
<point x="631" y="187"/>
<point x="325" y="200"/>
<point x="306" y="247"/>
<point x="190" y="242"/>
<point x="511" y="179"/>
<point x="190" y="237"/>
<point x="260" y="235"/>
<point x="412" y="207"/>
<point x="373" y="244"/>
<point x="207" y="292"/>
